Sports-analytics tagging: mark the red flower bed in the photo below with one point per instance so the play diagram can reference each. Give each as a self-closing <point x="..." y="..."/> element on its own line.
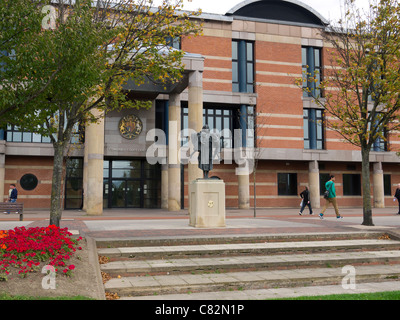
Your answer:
<point x="24" y="249"/>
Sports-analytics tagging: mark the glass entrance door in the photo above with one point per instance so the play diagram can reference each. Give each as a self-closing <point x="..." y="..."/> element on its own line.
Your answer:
<point x="131" y="184"/>
<point x="125" y="194"/>
<point x="133" y="194"/>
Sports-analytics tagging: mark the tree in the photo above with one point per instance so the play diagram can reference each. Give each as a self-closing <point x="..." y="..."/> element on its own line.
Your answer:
<point x="363" y="86"/>
<point x="22" y="76"/>
<point x="93" y="51"/>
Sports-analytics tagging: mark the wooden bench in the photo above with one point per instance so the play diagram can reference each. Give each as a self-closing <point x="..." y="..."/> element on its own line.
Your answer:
<point x="16" y="207"/>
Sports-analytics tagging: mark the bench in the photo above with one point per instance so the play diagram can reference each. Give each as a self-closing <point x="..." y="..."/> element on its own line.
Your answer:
<point x="16" y="207"/>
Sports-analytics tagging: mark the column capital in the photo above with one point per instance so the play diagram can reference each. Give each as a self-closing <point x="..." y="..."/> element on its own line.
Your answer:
<point x="378" y="167"/>
<point x="196" y="78"/>
<point x="313" y="166"/>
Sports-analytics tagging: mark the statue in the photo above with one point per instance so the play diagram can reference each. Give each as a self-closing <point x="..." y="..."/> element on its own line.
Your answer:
<point x="208" y="145"/>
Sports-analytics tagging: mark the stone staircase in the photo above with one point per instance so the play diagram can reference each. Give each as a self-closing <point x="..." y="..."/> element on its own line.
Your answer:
<point x="170" y="267"/>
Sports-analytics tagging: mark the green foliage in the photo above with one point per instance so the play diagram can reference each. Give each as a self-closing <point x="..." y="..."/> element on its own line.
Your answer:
<point x="74" y="72"/>
<point x="362" y="88"/>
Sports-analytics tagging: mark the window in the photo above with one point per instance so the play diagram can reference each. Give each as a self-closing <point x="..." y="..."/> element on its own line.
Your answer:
<point x="17" y="134"/>
<point x="287" y="184"/>
<point x="29" y="182"/>
<point x="387" y="185"/>
<point x="74" y="184"/>
<point x="380" y="144"/>
<point x="311" y="68"/>
<point x="4" y="57"/>
<point x="313" y="125"/>
<point x="242" y="66"/>
<point x="174" y="42"/>
<point x="351" y="184"/>
<point x="216" y="118"/>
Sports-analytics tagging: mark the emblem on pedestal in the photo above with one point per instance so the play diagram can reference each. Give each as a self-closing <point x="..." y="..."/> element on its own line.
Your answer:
<point x="130" y="126"/>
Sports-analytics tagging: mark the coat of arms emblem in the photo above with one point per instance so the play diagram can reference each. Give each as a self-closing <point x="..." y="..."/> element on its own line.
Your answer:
<point x="130" y="127"/>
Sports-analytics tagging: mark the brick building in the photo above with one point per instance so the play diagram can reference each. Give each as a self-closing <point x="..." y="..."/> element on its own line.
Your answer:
<point x="245" y="63"/>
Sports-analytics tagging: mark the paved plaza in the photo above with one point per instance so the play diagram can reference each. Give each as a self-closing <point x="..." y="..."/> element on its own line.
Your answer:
<point x="145" y="224"/>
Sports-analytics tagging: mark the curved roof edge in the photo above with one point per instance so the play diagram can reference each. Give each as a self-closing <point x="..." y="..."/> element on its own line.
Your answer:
<point x="296" y="2"/>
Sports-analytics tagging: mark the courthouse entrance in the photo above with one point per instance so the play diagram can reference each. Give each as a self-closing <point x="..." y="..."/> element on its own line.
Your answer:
<point x="131" y="184"/>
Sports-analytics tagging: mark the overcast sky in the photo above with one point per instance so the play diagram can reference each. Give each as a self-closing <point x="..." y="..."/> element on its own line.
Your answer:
<point x="329" y="9"/>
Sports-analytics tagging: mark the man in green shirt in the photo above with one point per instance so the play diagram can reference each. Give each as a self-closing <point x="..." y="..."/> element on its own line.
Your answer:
<point x="330" y="186"/>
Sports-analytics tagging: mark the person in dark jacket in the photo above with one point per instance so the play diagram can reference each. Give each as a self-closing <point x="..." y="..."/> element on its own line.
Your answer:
<point x="305" y="195"/>
<point x="13" y="195"/>
<point x="397" y="196"/>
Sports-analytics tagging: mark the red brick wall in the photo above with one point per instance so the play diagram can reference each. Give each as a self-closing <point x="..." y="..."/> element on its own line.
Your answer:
<point x="41" y="167"/>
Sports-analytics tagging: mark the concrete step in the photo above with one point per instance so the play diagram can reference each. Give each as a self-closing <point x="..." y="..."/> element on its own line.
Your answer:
<point x="230" y="239"/>
<point x="249" y="262"/>
<point x="227" y="282"/>
<point x="167" y="252"/>
<point x="273" y="293"/>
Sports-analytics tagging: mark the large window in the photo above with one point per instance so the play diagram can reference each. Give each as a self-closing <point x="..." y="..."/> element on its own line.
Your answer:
<point x="74" y="184"/>
<point x="380" y="143"/>
<point x="16" y="134"/>
<point x="351" y="184"/>
<point x="313" y="126"/>
<point x="311" y="65"/>
<point x="287" y="184"/>
<point x="216" y="118"/>
<point x="242" y="66"/>
<point x="131" y="184"/>
<point x="224" y="120"/>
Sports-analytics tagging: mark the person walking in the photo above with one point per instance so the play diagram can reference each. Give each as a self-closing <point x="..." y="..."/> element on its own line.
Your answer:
<point x="305" y="195"/>
<point x="331" y="198"/>
<point x="397" y="196"/>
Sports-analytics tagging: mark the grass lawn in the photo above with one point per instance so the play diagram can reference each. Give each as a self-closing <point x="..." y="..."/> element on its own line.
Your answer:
<point x="387" y="295"/>
<point x="6" y="296"/>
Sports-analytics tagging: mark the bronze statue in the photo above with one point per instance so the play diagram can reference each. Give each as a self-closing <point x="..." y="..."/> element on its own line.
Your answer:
<point x="207" y="143"/>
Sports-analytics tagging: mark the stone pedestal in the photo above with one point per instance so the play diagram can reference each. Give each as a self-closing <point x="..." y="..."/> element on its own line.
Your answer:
<point x="207" y="203"/>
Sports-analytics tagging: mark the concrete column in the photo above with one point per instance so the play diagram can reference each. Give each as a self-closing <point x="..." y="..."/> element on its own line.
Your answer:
<point x="94" y="136"/>
<point x="2" y="171"/>
<point x="313" y="181"/>
<point x="174" y="167"/>
<point x="379" y="195"/>
<point x="164" y="186"/>
<point x="85" y="172"/>
<point x="244" y="191"/>
<point x="195" y="115"/>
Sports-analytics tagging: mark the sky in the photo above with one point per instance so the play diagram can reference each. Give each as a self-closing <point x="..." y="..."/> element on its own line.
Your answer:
<point x="329" y="9"/>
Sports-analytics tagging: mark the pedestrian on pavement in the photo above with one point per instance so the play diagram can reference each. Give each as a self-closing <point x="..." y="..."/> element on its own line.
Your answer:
<point x="330" y="187"/>
<point x="397" y="196"/>
<point x="305" y="195"/>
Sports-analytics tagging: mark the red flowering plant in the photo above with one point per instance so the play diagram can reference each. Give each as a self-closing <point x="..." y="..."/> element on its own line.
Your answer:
<point x="24" y="249"/>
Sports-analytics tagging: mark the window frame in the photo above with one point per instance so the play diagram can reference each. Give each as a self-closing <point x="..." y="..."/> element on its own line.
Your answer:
<point x="311" y="141"/>
<point x="248" y="62"/>
<point x="311" y="68"/>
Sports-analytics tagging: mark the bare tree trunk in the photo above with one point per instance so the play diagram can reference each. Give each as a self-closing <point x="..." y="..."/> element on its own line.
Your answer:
<point x="366" y="189"/>
<point x="56" y="208"/>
